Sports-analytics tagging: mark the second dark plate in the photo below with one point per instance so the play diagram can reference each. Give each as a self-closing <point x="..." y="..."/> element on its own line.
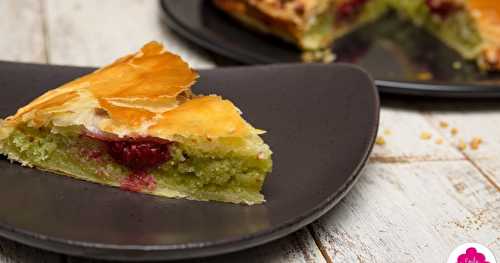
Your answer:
<point x="398" y="55"/>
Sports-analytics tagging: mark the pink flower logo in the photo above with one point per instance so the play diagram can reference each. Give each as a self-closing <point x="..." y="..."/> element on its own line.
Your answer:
<point x="472" y="256"/>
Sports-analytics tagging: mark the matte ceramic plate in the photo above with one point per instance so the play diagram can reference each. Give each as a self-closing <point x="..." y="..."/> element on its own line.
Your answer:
<point x="402" y="58"/>
<point x="321" y="122"/>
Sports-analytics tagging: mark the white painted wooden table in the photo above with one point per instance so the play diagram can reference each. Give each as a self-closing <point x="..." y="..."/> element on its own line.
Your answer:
<point x="415" y="202"/>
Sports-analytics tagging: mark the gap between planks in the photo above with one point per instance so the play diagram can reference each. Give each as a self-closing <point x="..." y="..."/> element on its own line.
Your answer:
<point x="318" y="243"/>
<point x="410" y="159"/>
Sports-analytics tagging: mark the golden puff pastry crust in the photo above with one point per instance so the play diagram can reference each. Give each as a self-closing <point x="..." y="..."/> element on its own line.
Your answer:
<point x="143" y="94"/>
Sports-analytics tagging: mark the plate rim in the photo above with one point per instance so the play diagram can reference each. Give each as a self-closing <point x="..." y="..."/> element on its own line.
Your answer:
<point x="406" y="88"/>
<point x="209" y="248"/>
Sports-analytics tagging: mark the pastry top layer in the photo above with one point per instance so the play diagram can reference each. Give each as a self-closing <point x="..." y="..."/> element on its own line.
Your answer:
<point x="142" y="94"/>
<point x="487" y="16"/>
<point x="300" y="13"/>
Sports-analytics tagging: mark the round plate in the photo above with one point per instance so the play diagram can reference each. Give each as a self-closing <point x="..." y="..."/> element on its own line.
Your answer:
<point x="321" y="121"/>
<point x="402" y="58"/>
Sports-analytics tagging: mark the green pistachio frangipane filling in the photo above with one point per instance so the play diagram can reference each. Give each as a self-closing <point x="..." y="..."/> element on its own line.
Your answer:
<point x="196" y="174"/>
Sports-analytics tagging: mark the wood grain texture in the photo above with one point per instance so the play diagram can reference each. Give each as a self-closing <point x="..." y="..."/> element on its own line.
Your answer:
<point x="94" y="33"/>
<point x="405" y="211"/>
<point x="297" y="247"/>
<point x="21" y="27"/>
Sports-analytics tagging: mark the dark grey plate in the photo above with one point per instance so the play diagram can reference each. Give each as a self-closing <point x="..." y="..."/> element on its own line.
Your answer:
<point x="321" y="122"/>
<point x="397" y="54"/>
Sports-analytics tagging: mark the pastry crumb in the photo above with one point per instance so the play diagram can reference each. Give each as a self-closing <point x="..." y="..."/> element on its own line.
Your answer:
<point x="424" y="76"/>
<point x="439" y="141"/>
<point x="475" y="142"/>
<point x="443" y="124"/>
<point x="461" y="145"/>
<point x="380" y="140"/>
<point x="454" y="131"/>
<point x="425" y="135"/>
<point x="387" y="132"/>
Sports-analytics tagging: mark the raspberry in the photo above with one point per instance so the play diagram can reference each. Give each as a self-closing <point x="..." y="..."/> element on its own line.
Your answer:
<point x="139" y="154"/>
<point x="348" y="8"/>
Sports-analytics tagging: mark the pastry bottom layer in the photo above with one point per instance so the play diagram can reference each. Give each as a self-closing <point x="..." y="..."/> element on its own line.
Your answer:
<point x="189" y="173"/>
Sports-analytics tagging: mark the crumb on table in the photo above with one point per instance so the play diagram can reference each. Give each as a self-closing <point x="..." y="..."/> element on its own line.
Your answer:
<point x="461" y="145"/>
<point x="425" y="135"/>
<point x="380" y="140"/>
<point x="443" y="124"/>
<point x="454" y="131"/>
<point x="439" y="141"/>
<point x="475" y="142"/>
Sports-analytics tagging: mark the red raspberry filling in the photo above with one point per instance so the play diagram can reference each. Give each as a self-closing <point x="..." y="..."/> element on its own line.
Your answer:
<point x="349" y="8"/>
<point x="138" y="181"/>
<point x="442" y="8"/>
<point x="139" y="154"/>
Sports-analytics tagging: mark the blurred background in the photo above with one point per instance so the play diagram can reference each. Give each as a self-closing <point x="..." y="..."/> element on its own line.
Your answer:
<point x="85" y="32"/>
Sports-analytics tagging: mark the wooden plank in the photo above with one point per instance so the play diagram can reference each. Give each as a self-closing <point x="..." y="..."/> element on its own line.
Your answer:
<point x="298" y="247"/>
<point x="401" y="127"/>
<point x="95" y="33"/>
<point x="411" y="212"/>
<point x="21" y="26"/>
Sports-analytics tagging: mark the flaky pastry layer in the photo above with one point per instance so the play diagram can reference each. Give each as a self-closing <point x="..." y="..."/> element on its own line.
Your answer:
<point x="142" y="94"/>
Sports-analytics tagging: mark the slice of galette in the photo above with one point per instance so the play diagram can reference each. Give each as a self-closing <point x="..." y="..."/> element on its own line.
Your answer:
<point x="135" y="124"/>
